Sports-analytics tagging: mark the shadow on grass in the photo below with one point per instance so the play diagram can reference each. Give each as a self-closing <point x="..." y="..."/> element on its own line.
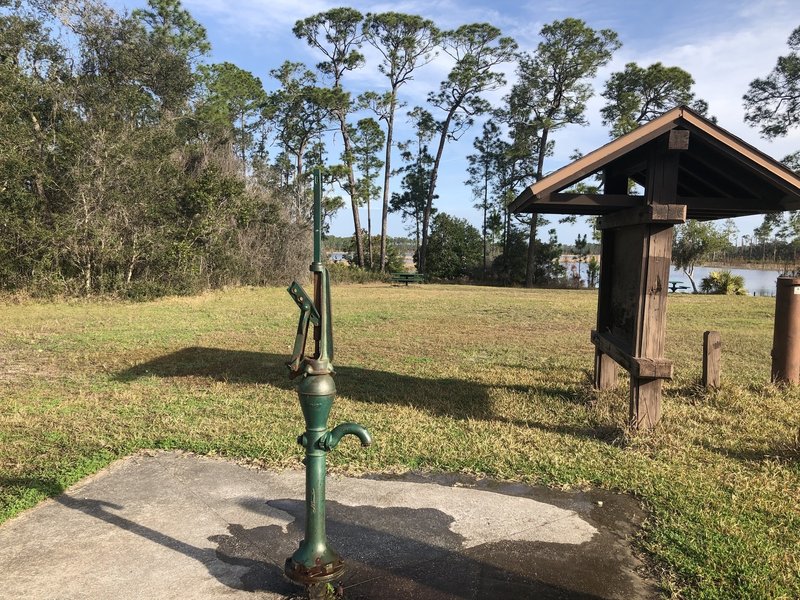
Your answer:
<point x="229" y="366"/>
<point x="454" y="398"/>
<point x="46" y="487"/>
<point x="786" y="453"/>
<point x="20" y="493"/>
<point x="563" y="394"/>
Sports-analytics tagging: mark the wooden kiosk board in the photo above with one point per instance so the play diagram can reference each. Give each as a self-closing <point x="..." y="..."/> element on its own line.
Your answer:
<point x="690" y="169"/>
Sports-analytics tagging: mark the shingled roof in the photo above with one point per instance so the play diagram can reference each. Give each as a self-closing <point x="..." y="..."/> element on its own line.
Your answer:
<point x="719" y="175"/>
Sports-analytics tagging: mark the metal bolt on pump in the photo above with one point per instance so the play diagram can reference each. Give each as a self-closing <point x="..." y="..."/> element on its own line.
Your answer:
<point x="315" y="563"/>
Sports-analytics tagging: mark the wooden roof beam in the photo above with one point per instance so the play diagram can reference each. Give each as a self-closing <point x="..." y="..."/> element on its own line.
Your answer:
<point x="687" y="190"/>
<point x="706" y="160"/>
<point x="789" y="203"/>
<point x="709" y="186"/>
<point x="632" y="162"/>
<point x="569" y="203"/>
<point x="709" y="209"/>
<point x="743" y="205"/>
<point x="758" y="162"/>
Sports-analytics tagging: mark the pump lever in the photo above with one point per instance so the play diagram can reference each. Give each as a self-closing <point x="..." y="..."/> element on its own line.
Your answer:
<point x="308" y="313"/>
<point x="304" y="301"/>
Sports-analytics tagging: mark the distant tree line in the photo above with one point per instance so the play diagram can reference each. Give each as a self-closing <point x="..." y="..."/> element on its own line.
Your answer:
<point x="126" y="165"/>
<point x="551" y="92"/>
<point x="130" y="165"/>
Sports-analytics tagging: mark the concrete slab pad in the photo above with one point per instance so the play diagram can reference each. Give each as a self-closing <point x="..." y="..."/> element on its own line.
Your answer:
<point x="173" y="525"/>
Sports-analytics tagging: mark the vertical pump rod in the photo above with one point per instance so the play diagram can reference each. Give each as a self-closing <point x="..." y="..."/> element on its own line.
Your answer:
<point x="317" y="216"/>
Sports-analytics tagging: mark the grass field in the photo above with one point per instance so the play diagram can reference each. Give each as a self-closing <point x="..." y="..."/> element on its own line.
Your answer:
<point x="487" y="381"/>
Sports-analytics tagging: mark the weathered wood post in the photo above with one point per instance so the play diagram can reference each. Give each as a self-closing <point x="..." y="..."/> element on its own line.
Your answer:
<point x="712" y="351"/>
<point x="634" y="275"/>
<point x="786" y="336"/>
<point x="605" y="367"/>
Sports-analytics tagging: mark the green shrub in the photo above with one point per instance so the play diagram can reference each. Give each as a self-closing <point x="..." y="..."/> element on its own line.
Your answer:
<point x="342" y="273"/>
<point x="454" y="248"/>
<point x="723" y="282"/>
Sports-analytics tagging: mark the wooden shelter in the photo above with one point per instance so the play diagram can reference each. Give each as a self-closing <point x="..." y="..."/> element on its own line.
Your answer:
<point x="690" y="169"/>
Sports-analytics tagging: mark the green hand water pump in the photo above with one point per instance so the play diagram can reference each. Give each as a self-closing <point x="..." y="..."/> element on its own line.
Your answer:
<point x="315" y="563"/>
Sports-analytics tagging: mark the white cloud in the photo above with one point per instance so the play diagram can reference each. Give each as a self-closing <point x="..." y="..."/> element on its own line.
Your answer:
<point x="723" y="65"/>
<point x="261" y="18"/>
<point x="722" y="62"/>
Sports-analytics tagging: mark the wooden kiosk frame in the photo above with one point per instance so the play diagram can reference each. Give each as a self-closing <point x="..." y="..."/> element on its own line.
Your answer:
<point x="690" y="169"/>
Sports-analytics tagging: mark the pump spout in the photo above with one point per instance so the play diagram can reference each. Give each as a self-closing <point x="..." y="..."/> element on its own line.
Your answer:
<point x="332" y="438"/>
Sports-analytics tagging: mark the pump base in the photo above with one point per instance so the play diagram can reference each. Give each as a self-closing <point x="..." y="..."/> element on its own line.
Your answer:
<point x="319" y="573"/>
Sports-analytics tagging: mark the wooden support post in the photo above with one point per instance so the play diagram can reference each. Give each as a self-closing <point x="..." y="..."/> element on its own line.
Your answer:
<point x="712" y="351"/>
<point x="645" y="394"/>
<point x="645" y="405"/>
<point x="639" y="215"/>
<point x="786" y="336"/>
<point x="661" y="187"/>
<point x="636" y="252"/>
<point x="605" y="371"/>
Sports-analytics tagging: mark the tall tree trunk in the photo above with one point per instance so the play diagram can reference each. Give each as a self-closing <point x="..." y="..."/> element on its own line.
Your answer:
<point x="689" y="273"/>
<point x="387" y="171"/>
<point x="244" y="156"/>
<point x="87" y="265"/>
<point x="351" y="181"/>
<point x="299" y="188"/>
<point x="87" y="276"/>
<point x="426" y="215"/>
<point x="369" y="235"/>
<point x="485" y="208"/>
<point x="506" y="230"/>
<point x="37" y="177"/>
<point x="132" y="262"/>
<point x="416" y="220"/>
<point x="531" y="262"/>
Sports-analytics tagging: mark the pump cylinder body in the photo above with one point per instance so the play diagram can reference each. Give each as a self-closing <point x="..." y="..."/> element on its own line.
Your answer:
<point x="315" y="561"/>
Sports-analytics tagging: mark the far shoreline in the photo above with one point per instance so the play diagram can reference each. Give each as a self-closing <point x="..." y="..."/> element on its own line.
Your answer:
<point x="711" y="264"/>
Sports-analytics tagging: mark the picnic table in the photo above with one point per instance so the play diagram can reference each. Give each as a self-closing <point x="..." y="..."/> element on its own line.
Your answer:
<point x="407" y="278"/>
<point x="674" y="286"/>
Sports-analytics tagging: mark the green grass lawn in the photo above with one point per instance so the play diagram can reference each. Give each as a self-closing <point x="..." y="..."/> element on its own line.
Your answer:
<point x="487" y="381"/>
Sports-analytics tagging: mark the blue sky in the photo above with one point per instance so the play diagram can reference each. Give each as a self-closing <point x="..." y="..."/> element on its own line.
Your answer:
<point x="723" y="44"/>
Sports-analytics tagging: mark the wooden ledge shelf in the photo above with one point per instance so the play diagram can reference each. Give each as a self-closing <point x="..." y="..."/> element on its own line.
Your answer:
<point x="672" y="214"/>
<point x="639" y="367"/>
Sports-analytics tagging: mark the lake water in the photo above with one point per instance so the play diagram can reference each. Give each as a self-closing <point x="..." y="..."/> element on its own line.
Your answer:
<point x="756" y="281"/>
